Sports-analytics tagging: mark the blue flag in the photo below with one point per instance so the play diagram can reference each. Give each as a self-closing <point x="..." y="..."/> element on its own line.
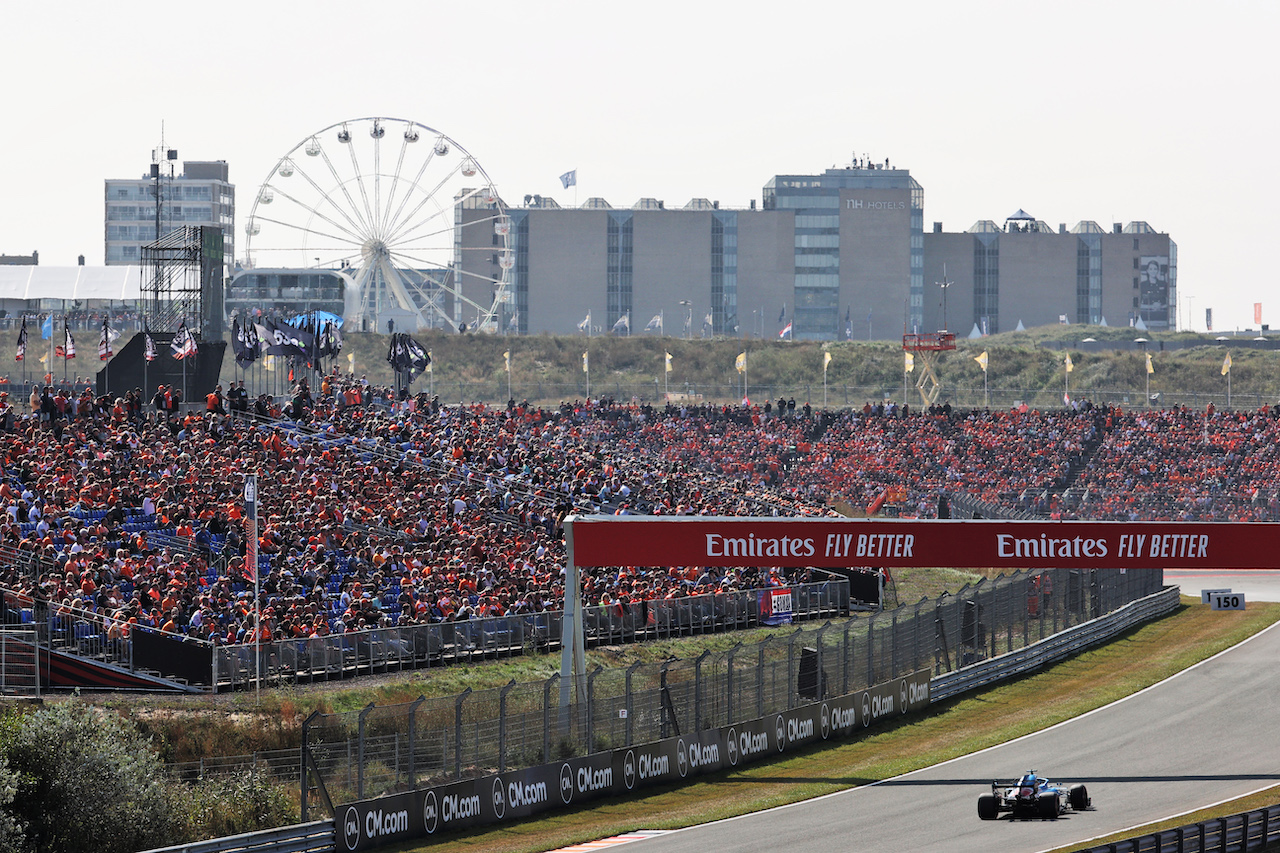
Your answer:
<point x="46" y="328"/>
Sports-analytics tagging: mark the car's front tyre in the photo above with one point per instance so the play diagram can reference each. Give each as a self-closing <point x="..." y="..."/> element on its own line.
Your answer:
<point x="1078" y="795"/>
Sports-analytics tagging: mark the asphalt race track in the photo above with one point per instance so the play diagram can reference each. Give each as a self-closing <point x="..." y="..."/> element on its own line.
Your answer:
<point x="1256" y="584"/>
<point x="1205" y="735"/>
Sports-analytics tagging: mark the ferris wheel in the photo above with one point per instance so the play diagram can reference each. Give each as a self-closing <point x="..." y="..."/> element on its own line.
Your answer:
<point x="402" y="211"/>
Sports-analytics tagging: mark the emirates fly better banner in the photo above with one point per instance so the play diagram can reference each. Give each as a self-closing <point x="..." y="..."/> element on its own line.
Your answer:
<point x="838" y="543"/>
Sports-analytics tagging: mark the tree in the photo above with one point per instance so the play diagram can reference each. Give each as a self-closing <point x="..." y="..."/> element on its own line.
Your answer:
<point x="87" y="781"/>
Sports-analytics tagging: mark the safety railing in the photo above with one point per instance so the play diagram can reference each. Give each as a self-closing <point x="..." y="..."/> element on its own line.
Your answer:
<point x="1238" y="833"/>
<point x="442" y="643"/>
<point x="315" y="837"/>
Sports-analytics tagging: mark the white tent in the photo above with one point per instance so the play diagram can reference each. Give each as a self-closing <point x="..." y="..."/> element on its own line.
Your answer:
<point x="116" y="283"/>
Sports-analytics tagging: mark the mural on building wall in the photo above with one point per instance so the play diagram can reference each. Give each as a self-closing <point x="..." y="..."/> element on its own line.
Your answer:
<point x="1153" y="288"/>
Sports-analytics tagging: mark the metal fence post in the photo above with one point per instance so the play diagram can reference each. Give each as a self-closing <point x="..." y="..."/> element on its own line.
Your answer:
<point x="728" y="690"/>
<point x="846" y="658"/>
<point x="697" y="689"/>
<point x="502" y="725"/>
<point x="760" y="678"/>
<point x="871" y="645"/>
<point x="591" y="708"/>
<point x="791" y="669"/>
<point x="631" y="709"/>
<point x="546" y="716"/>
<point x="457" y="732"/>
<point x="662" y="674"/>
<point x="360" y="752"/>
<point x="822" y="681"/>
<point x="413" y="748"/>
<point x="893" y="651"/>
<point x="302" y="769"/>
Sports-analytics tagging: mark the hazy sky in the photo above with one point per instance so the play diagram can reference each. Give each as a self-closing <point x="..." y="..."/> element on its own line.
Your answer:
<point x="1110" y="111"/>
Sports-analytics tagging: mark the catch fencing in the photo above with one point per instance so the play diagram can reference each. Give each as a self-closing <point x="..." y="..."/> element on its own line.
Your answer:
<point x="379" y="750"/>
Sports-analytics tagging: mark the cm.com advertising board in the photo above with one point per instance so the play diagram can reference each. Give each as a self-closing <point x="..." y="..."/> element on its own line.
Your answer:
<point x="523" y="793"/>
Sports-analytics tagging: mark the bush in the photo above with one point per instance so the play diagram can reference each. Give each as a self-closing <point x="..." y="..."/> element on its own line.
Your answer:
<point x="234" y="804"/>
<point x="87" y="781"/>
<point x="11" y="833"/>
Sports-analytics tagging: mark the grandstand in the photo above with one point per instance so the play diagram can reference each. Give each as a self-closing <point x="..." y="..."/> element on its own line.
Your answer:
<point x="123" y="525"/>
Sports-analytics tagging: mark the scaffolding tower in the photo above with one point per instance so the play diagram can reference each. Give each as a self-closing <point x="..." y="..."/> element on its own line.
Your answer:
<point x="175" y="289"/>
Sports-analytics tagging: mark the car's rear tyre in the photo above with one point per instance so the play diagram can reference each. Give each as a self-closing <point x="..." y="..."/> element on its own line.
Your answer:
<point x="987" y="809"/>
<point x="1047" y="805"/>
<point x="1079" y="797"/>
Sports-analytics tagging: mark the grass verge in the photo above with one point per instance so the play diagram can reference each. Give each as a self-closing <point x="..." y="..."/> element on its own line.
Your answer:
<point x="949" y="729"/>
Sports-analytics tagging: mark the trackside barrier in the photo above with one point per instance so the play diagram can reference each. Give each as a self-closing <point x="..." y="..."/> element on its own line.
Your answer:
<point x="1054" y="648"/>
<point x="1238" y="833"/>
<point x="315" y="837"/>
<point x="513" y="796"/>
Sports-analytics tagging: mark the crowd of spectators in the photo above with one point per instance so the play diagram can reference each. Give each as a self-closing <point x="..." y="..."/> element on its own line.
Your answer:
<point x="377" y="510"/>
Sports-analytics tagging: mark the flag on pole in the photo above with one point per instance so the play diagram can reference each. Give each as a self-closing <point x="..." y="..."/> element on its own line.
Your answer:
<point x="246" y="344"/>
<point x="908" y="362"/>
<point x="507" y="356"/>
<point x="623" y="323"/>
<point x="586" y="363"/>
<point x="740" y="363"/>
<point x="104" y="342"/>
<point x="1226" y="365"/>
<point x="66" y="349"/>
<point x="786" y="331"/>
<point x="668" y="362"/>
<point x="22" y="342"/>
<point x="184" y="343"/>
<point x="982" y="360"/>
<point x="848" y="323"/>
<point x="707" y="320"/>
<point x="782" y="315"/>
<point x="514" y="322"/>
<point x="1068" y="364"/>
<point x="585" y="325"/>
<point x="46" y="328"/>
<point x="655" y="323"/>
<point x="1150" y="367"/>
<point x="148" y="346"/>
<point x="569" y="178"/>
<point x="431" y="363"/>
<point x="269" y="362"/>
<point x="826" y="359"/>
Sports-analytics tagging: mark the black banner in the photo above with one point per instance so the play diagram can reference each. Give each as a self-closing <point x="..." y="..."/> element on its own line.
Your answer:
<point x="171" y="657"/>
<point x="524" y="793"/>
